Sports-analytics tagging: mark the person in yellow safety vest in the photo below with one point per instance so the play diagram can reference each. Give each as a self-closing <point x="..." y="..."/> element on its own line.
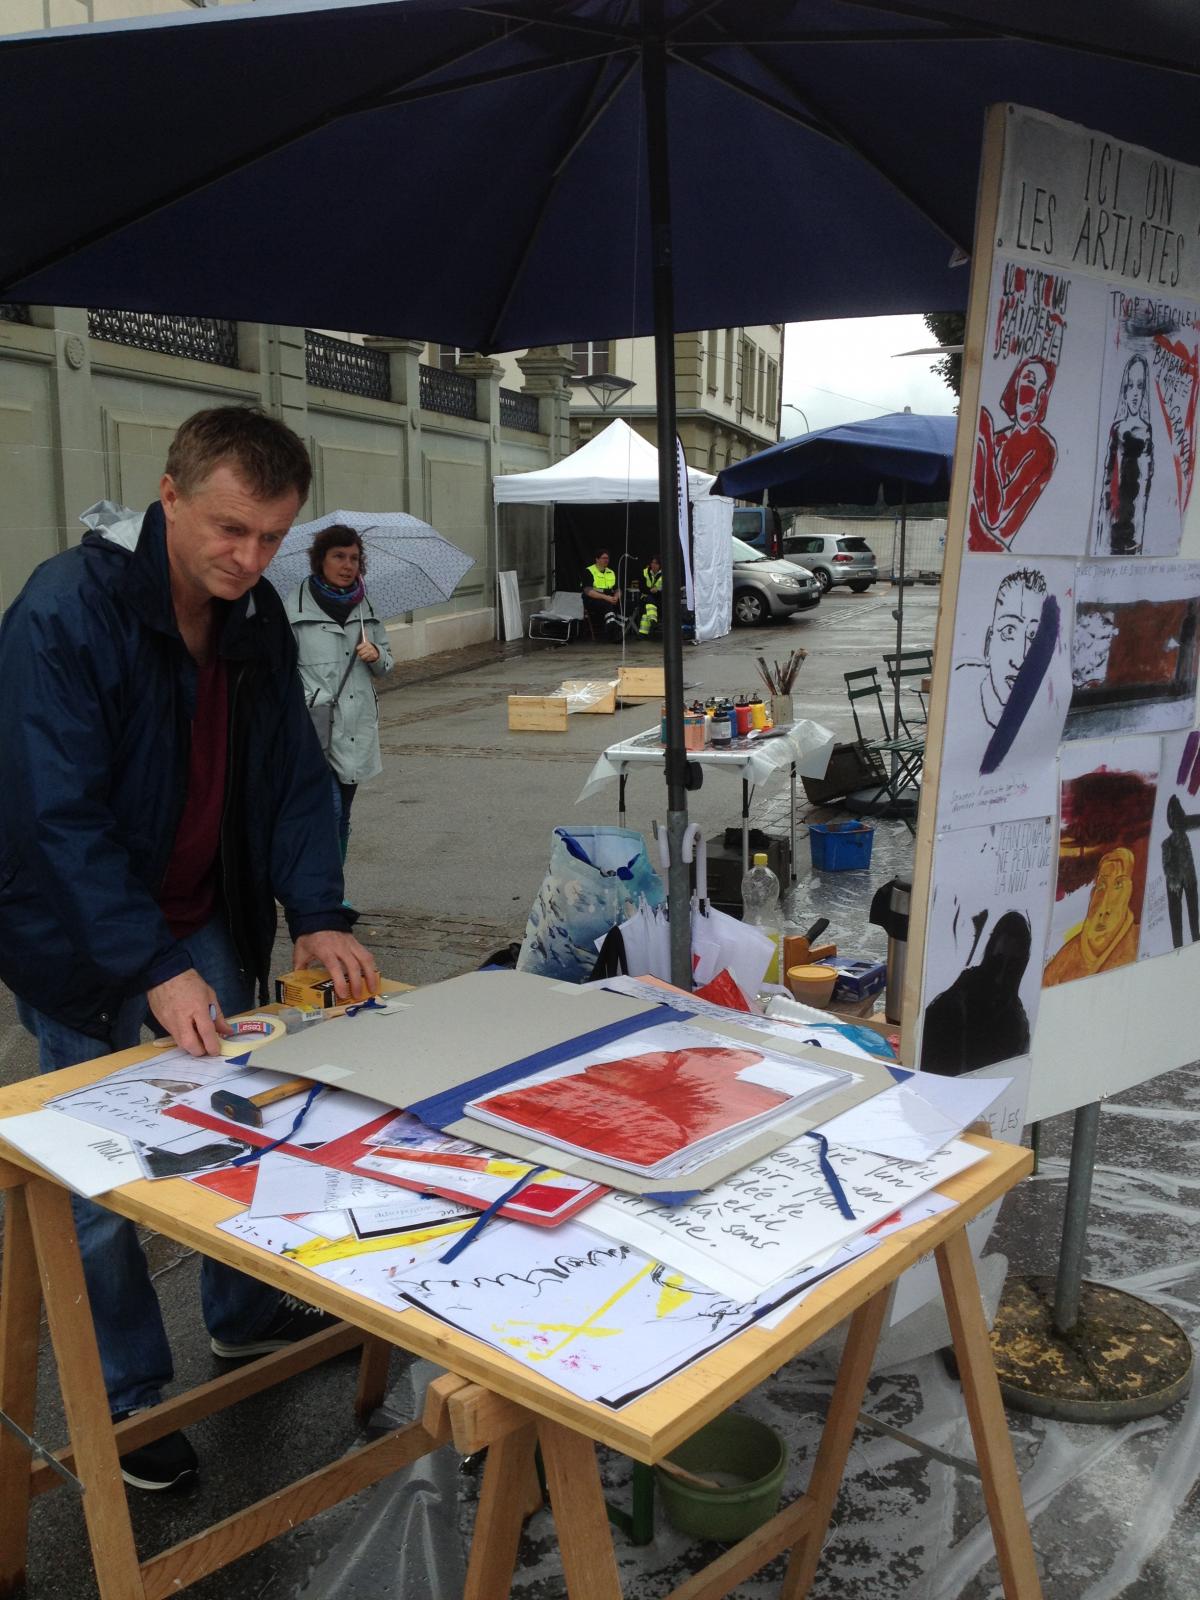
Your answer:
<point x="601" y="597"/>
<point x="651" y="589"/>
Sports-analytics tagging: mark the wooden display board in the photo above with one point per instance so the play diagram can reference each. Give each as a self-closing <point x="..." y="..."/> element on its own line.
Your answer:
<point x="1054" y="908"/>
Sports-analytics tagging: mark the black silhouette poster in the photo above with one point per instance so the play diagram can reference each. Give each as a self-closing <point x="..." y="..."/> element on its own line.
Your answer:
<point x="1147" y="442"/>
<point x="1034" y="453"/>
<point x="987" y="931"/>
<point x="1171" y="917"/>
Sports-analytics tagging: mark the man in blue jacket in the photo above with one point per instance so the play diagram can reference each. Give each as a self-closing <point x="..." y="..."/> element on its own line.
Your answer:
<point x="160" y="787"/>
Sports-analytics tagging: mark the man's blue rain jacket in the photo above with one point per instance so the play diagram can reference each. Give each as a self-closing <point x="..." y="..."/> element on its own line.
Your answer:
<point x="98" y="692"/>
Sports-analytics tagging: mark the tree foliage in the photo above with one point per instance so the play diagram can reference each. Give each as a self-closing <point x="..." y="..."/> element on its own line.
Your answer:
<point x="948" y="327"/>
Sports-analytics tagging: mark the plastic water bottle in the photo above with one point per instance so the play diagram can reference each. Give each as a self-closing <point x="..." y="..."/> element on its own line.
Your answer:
<point x="760" y="907"/>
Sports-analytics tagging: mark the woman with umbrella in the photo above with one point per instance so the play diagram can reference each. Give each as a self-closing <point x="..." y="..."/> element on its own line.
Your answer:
<point x="342" y="645"/>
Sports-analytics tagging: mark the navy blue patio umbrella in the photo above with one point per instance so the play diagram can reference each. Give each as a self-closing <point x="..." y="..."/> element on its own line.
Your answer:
<point x="500" y="173"/>
<point x="897" y="458"/>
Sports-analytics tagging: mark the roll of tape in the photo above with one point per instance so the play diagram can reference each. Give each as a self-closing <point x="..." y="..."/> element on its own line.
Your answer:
<point x="251" y="1033"/>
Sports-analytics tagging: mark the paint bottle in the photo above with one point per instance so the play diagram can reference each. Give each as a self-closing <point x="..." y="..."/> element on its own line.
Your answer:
<point x="744" y="722"/>
<point x="758" y="713"/>
<point x="720" y="732"/>
<point x="731" y="711"/>
<point x="693" y="730"/>
<point x="662" y="726"/>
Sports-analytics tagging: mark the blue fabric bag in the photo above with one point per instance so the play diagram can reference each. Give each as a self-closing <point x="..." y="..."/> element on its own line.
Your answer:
<point x="595" y="880"/>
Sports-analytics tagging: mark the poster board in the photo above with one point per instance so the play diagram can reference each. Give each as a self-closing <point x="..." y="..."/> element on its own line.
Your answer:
<point x="1062" y="772"/>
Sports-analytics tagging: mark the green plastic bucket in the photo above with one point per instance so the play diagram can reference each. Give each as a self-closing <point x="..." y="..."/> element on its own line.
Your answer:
<point x="747" y="1457"/>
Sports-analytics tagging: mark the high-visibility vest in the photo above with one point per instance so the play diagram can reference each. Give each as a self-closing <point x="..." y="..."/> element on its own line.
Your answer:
<point x="603" y="580"/>
<point x="651" y="581"/>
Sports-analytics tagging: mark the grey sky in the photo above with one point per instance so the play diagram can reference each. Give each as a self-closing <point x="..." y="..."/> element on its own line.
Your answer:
<point x="852" y="358"/>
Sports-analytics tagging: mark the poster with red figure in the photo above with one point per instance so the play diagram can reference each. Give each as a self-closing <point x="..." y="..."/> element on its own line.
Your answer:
<point x="1146" y="455"/>
<point x="655" y="1102"/>
<point x="1035" y="439"/>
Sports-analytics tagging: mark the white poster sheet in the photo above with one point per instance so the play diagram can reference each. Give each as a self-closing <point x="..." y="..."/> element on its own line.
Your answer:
<point x="983" y="953"/>
<point x="1035" y="445"/>
<point x="1106" y="803"/>
<point x="1135" y="649"/>
<point x="1010" y="686"/>
<point x="1147" y="438"/>
<point x="1171" y="918"/>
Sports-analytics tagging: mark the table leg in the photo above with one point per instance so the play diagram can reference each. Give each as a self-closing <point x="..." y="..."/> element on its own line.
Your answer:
<point x="504" y="1503"/>
<point x="989" y="1426"/>
<point x="621" y="780"/>
<point x="20" y="1308"/>
<point x="792" y="829"/>
<point x="372" y="1377"/>
<point x="580" y="1520"/>
<point x="746" y="793"/>
<point x="836" y="1439"/>
<point x="105" y="1509"/>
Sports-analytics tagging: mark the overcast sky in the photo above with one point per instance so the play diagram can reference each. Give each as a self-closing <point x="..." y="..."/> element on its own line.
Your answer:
<point x="841" y="371"/>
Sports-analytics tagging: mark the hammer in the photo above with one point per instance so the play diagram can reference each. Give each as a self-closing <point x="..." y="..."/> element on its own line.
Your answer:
<point x="248" y="1108"/>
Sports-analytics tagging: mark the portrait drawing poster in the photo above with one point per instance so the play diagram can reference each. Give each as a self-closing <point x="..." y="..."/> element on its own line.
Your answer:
<point x="1035" y="445"/>
<point x="1106" y="806"/>
<point x="1171" y="918"/>
<point x="1146" y="453"/>
<point x="1010" y="686"/>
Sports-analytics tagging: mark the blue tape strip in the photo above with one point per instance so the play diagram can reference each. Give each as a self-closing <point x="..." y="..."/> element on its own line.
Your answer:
<point x="253" y="1155"/>
<point x="831" y="1177"/>
<point x="441" y="1110"/>
<point x="481" y="1222"/>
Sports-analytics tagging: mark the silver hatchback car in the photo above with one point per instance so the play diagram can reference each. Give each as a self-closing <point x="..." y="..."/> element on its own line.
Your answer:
<point x="834" y="558"/>
<point x="764" y="588"/>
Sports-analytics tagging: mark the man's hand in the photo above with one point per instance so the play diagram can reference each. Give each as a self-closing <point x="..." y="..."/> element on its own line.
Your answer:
<point x="351" y="967"/>
<point x="184" y="1006"/>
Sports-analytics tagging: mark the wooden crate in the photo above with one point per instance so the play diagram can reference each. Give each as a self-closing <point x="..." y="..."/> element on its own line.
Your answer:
<point x="601" y="694"/>
<point x="641" y="683"/>
<point x="537" y="713"/>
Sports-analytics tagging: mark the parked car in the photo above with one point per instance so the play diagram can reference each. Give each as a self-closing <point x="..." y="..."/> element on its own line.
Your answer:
<point x="763" y="588"/>
<point x="761" y="528"/>
<point x="834" y="558"/>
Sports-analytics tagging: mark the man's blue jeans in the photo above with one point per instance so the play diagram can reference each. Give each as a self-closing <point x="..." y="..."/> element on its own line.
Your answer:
<point x="134" y="1353"/>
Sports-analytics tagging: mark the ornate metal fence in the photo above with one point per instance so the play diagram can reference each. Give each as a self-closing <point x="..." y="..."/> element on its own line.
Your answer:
<point x="452" y="393"/>
<point x="11" y="313"/>
<point x="351" y="368"/>
<point x="519" y="410"/>
<point x="197" y="338"/>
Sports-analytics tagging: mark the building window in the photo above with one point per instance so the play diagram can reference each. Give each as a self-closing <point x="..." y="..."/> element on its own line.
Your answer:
<point x="447" y="356"/>
<point x="729" y="363"/>
<point x="761" y="395"/>
<point x="711" y="374"/>
<point x="591" y="358"/>
<point x="772" y="393"/>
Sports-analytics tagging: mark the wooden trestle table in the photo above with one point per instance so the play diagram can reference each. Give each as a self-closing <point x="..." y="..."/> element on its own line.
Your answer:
<point x="484" y="1400"/>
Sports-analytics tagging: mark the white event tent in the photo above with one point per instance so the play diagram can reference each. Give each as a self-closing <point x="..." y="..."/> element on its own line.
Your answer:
<point x="619" y="466"/>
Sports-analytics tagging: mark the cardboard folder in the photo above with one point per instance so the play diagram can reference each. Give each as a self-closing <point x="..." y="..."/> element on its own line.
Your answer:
<point x="436" y="1047"/>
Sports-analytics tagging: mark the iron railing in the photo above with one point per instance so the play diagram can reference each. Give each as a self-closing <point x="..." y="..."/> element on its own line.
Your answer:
<point x="519" y="410"/>
<point x="351" y="368"/>
<point x="452" y="393"/>
<point x="11" y="313"/>
<point x="198" y="338"/>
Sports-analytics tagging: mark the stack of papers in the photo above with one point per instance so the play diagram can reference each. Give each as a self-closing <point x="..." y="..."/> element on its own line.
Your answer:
<point x="661" y="1102"/>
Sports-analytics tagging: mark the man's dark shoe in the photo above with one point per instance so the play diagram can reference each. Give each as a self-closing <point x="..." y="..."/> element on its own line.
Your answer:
<point x="166" y="1463"/>
<point x="293" y="1320"/>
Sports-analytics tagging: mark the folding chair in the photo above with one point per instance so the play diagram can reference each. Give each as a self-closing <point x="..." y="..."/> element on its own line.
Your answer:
<point x="561" y="618"/>
<point x="902" y="754"/>
<point x="909" y="665"/>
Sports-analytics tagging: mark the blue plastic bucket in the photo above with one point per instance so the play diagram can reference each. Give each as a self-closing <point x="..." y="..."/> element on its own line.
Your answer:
<point x="840" y="846"/>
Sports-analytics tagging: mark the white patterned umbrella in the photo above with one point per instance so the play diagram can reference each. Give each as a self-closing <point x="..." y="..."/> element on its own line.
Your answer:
<point x="409" y="564"/>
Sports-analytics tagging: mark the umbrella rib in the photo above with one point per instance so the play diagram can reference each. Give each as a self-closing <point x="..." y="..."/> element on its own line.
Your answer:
<point x="934" y="14"/>
<point x="572" y="24"/>
<point x="365" y="102"/>
<point x="589" y="121"/>
<point x="402" y="97"/>
<point x="827" y="128"/>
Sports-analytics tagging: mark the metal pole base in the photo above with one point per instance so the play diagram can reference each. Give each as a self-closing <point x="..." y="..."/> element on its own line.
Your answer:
<point x="1123" y="1359"/>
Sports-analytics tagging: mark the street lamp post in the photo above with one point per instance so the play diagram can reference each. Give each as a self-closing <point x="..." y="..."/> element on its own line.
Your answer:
<point x="788" y="406"/>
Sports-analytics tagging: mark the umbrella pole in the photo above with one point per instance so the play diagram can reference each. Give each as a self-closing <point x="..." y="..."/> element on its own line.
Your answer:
<point x="900" y="612"/>
<point x="654" y="97"/>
